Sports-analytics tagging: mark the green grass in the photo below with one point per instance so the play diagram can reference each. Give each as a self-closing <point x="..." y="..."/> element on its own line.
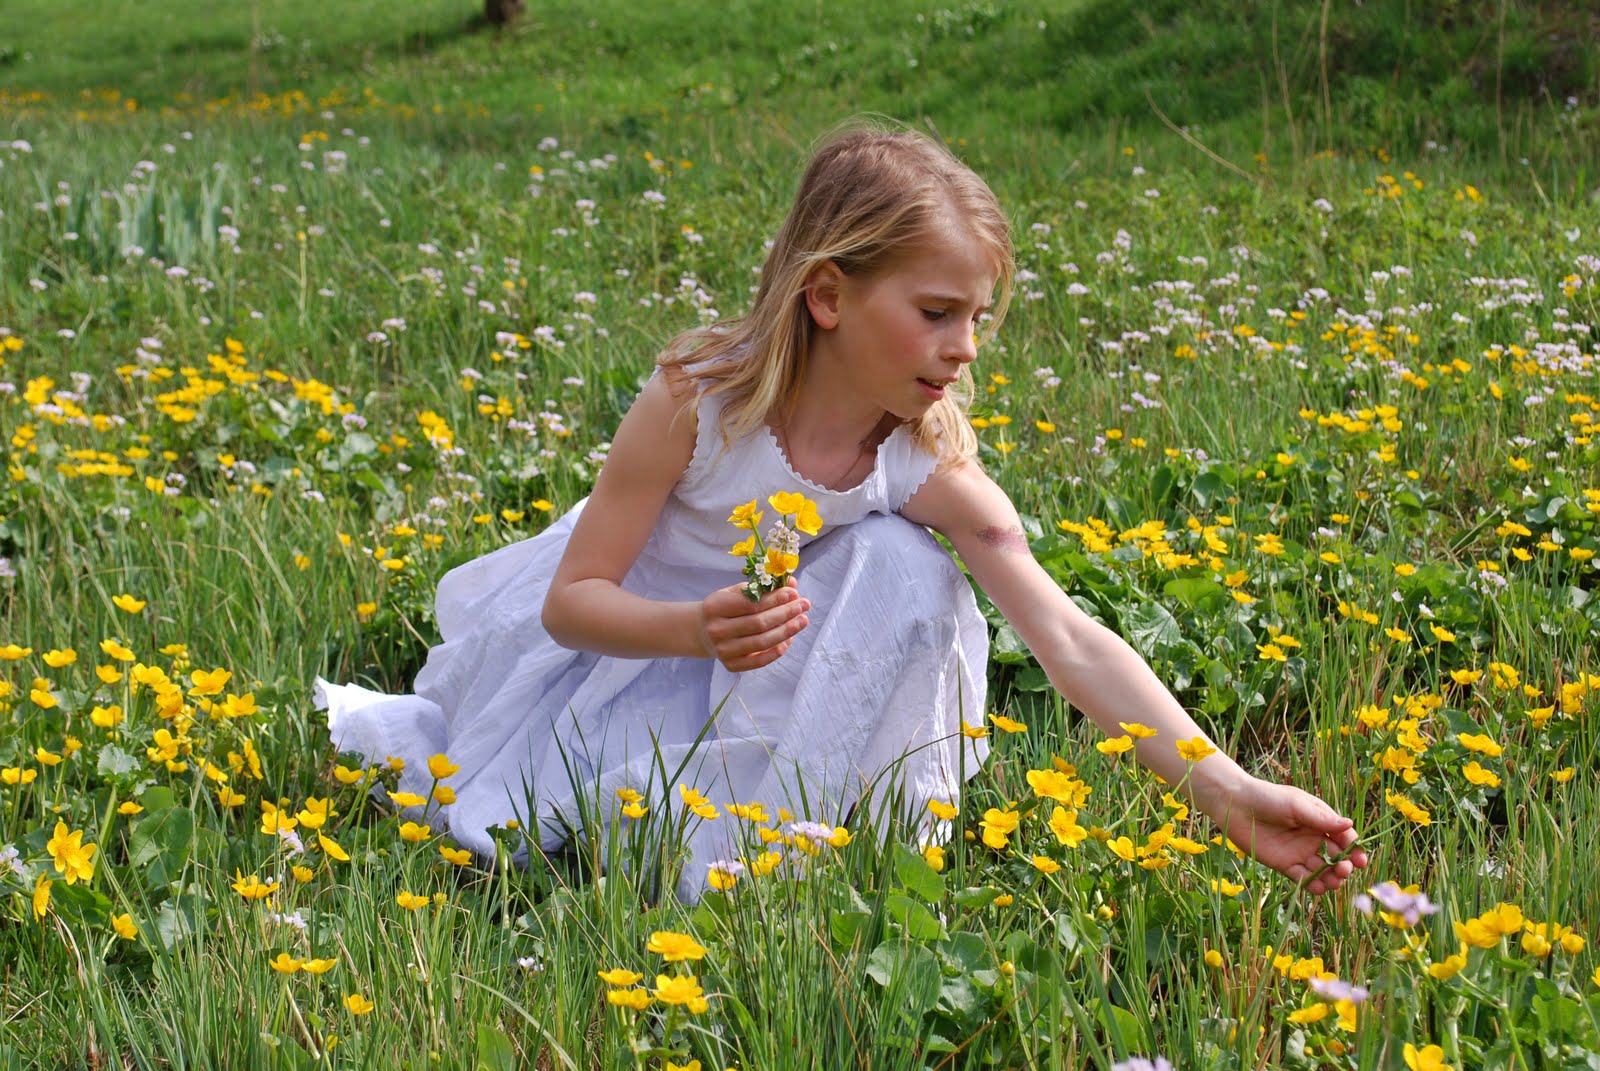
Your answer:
<point x="265" y="558"/>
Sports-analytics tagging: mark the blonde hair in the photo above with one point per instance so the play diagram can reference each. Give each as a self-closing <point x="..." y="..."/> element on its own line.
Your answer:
<point x="868" y="196"/>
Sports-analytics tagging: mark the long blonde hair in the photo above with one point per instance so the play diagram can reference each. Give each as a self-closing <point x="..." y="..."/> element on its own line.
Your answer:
<point x="867" y="197"/>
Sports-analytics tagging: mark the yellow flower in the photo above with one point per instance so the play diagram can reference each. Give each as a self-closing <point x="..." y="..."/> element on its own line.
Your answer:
<point x="745" y="516"/>
<point x="41" y="897"/>
<point x="1213" y="958"/>
<point x="973" y="732"/>
<point x="358" y="1004"/>
<point x="318" y="966"/>
<point x="286" y="964"/>
<point x="1449" y="967"/>
<point x="682" y="989"/>
<point x="1122" y="848"/>
<point x="998" y="825"/>
<point x="1115" y="746"/>
<point x="1226" y="887"/>
<point x="787" y="502"/>
<point x="1314" y="1014"/>
<point x="1271" y="652"/>
<point x="332" y="849"/>
<point x="57" y="659"/>
<point x="209" y="683"/>
<point x="637" y="999"/>
<point x="252" y="888"/>
<point x="1480" y="742"/>
<point x="1009" y="725"/>
<point x="414" y="832"/>
<point x="71" y="856"/>
<point x="943" y="811"/>
<point x="458" y="856"/>
<point x="1430" y="1058"/>
<point x="1045" y="865"/>
<point x="635" y="810"/>
<point x="620" y="977"/>
<point x="1535" y="944"/>
<point x="128" y="604"/>
<point x="411" y="901"/>
<point x="128" y="807"/>
<point x="780" y="564"/>
<point x="407" y="799"/>
<point x="124" y="926"/>
<point x="441" y="767"/>
<point x="1064" y="824"/>
<point x="1137" y="730"/>
<point x="675" y="947"/>
<point x="1478" y="775"/>
<point x="347" y="776"/>
<point x="808" y="520"/>
<point x="1196" y="749"/>
<point x="743" y="548"/>
<point x="11" y="652"/>
<point x="934" y="855"/>
<point x="1398" y="635"/>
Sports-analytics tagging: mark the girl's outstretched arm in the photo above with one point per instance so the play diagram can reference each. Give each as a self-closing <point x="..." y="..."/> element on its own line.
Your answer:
<point x="1095" y="670"/>
<point x="587" y="607"/>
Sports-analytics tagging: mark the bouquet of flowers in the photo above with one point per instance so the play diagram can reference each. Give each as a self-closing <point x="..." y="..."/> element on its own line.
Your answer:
<point x="767" y="562"/>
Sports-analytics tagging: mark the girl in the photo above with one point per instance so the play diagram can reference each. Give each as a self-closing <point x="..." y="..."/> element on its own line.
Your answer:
<point x="591" y="658"/>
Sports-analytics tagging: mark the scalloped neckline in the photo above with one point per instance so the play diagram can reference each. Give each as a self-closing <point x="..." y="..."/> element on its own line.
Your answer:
<point x="788" y="465"/>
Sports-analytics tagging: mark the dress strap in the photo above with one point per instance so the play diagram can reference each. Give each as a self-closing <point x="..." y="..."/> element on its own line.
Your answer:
<point x="906" y="467"/>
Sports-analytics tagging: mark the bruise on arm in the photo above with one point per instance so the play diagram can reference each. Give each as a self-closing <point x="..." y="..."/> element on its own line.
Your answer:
<point x="1009" y="540"/>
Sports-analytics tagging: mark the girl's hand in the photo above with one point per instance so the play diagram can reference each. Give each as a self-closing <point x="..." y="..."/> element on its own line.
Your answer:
<point x="745" y="635"/>
<point x="1291" y="831"/>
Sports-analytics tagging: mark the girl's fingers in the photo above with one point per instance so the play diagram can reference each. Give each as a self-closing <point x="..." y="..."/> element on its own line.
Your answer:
<point x="749" y="645"/>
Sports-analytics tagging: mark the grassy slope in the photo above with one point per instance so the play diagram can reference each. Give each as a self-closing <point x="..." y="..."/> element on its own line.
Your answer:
<point x="1248" y="76"/>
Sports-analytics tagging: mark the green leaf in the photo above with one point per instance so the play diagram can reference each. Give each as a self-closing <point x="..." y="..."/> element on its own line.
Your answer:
<point x="981" y="896"/>
<point x="1008" y="646"/>
<point x="909" y="974"/>
<point x="918" y="878"/>
<point x="162" y="844"/>
<point x="176" y="920"/>
<point x="495" y="1052"/>
<point x="1162" y="482"/>
<point x="847" y="926"/>
<point x="967" y="951"/>
<point x="115" y="762"/>
<point x="1120" y="1024"/>
<point x="919" y="922"/>
<point x="1151" y="629"/>
<point x="1192" y="591"/>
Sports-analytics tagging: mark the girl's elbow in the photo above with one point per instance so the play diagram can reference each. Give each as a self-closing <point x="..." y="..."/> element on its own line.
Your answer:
<point x="554" y="617"/>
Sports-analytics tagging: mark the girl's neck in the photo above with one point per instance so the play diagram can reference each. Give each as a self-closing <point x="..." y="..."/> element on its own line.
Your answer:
<point x="828" y="440"/>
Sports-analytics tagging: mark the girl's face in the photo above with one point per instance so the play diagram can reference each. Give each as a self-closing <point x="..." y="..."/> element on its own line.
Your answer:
<point x="904" y="335"/>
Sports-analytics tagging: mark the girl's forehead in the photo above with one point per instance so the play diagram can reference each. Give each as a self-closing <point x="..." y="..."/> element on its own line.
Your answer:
<point x="950" y="259"/>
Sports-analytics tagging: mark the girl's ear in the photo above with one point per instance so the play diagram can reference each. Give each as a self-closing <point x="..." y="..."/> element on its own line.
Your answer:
<point x="822" y="294"/>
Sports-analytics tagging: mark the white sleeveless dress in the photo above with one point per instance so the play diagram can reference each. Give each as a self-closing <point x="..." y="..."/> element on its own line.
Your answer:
<point x="871" y="693"/>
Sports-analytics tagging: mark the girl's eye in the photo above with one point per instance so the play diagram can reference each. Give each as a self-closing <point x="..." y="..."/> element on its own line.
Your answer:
<point x="933" y="314"/>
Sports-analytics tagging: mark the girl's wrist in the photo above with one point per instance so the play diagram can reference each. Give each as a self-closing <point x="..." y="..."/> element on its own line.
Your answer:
<point x="1215" y="784"/>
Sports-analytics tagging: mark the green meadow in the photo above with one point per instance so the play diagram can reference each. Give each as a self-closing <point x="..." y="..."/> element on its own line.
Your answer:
<point x="302" y="307"/>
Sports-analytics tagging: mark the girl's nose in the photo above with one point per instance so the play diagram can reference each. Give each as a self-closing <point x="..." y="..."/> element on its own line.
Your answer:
<point x="967" y="351"/>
